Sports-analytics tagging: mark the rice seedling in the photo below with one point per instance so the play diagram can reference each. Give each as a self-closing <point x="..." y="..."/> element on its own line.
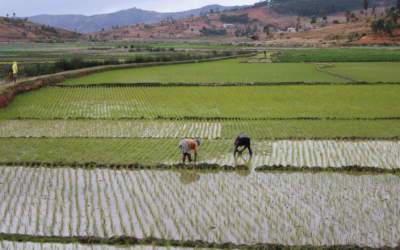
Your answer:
<point x="331" y="102"/>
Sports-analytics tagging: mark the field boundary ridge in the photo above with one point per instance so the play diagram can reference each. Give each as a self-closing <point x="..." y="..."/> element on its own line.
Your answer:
<point x="132" y="241"/>
<point x="265" y="138"/>
<point x="211" y="84"/>
<point x="133" y="166"/>
<point x="214" y="168"/>
<point x="322" y="67"/>
<point x="351" y="169"/>
<point x="209" y="119"/>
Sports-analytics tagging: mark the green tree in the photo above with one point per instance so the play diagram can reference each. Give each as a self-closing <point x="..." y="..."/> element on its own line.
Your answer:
<point x="378" y="25"/>
<point x="313" y="19"/>
<point x="390" y="26"/>
<point x="393" y="14"/>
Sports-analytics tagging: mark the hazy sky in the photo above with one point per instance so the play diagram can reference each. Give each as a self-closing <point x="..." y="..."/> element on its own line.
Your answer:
<point x="90" y="7"/>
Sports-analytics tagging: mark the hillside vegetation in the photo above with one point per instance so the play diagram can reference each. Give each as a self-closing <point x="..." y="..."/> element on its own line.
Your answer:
<point x="13" y="29"/>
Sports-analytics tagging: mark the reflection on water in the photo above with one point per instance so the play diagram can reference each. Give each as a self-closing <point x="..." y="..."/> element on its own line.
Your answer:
<point x="188" y="177"/>
<point x="241" y="160"/>
<point x="191" y="176"/>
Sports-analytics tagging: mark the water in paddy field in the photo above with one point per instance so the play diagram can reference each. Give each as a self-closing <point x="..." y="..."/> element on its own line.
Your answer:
<point x="12" y="245"/>
<point x="381" y="155"/>
<point x="237" y="207"/>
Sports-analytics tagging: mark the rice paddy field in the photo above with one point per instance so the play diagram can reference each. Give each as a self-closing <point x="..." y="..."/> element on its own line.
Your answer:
<point x="229" y="71"/>
<point x="239" y="71"/>
<point x="260" y="102"/>
<point x="367" y="72"/>
<point x="94" y="163"/>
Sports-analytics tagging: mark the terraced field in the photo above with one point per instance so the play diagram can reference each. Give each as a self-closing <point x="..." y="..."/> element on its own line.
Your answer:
<point x="239" y="71"/>
<point x="333" y="55"/>
<point x="275" y="102"/>
<point x="368" y="72"/>
<point x="288" y="209"/>
<point x="12" y="245"/>
<point x="215" y="129"/>
<point x="379" y="156"/>
<point x="109" y="129"/>
<point x="98" y="167"/>
<point x="228" y="71"/>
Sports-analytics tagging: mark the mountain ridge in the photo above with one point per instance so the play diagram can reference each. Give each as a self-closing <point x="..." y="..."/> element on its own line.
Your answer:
<point x="15" y="29"/>
<point x="99" y="22"/>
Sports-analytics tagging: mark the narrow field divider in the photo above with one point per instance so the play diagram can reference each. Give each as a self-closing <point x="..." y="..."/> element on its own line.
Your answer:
<point x="211" y="84"/>
<point x="133" y="166"/>
<point x="208" y="167"/>
<point x="321" y="69"/>
<point x="266" y="138"/>
<point x="216" y="118"/>
<point x="355" y="169"/>
<point x="132" y="241"/>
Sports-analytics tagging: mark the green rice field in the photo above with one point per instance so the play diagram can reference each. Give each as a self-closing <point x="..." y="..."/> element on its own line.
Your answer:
<point x="368" y="72"/>
<point x="373" y="156"/>
<point x="390" y="54"/>
<point x="215" y="129"/>
<point x="228" y="71"/>
<point x="94" y="162"/>
<point x="320" y="102"/>
<point x="239" y="71"/>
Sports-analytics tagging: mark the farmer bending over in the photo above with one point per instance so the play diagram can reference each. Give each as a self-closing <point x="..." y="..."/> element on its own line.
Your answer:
<point x="189" y="146"/>
<point x="242" y="141"/>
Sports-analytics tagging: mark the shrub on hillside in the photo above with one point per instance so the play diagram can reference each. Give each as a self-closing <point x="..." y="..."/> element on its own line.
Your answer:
<point x="213" y="32"/>
<point x="235" y="18"/>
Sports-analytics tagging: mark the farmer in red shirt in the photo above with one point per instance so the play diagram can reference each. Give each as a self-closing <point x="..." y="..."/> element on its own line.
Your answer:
<point x="189" y="146"/>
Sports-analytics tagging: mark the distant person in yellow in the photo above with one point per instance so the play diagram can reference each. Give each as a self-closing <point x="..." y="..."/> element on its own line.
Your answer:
<point x="14" y="72"/>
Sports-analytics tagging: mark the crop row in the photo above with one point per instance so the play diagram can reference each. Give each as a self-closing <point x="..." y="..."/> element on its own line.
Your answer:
<point x="295" y="129"/>
<point x="151" y="152"/>
<point x="289" y="209"/>
<point x="11" y="245"/>
<point x="260" y="102"/>
<point x="333" y="55"/>
<point x="380" y="154"/>
<point x="319" y="154"/>
<point x="109" y="129"/>
<point x="224" y="71"/>
<point x="103" y="151"/>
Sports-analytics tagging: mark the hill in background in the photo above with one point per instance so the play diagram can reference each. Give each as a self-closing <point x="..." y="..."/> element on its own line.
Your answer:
<point x="269" y="21"/>
<point x="86" y="24"/>
<point x="13" y="29"/>
<point x="104" y="22"/>
<point x="278" y="22"/>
